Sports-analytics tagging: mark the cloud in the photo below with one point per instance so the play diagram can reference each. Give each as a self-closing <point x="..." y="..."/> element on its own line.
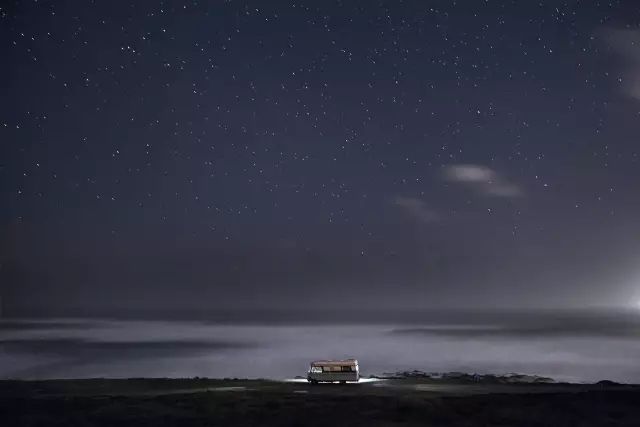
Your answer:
<point x="502" y="189"/>
<point x="469" y="173"/>
<point x="482" y="179"/>
<point x="567" y="325"/>
<point x="626" y="43"/>
<point x="416" y="208"/>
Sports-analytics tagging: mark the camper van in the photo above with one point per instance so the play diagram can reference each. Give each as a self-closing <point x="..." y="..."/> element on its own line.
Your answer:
<point x="333" y="370"/>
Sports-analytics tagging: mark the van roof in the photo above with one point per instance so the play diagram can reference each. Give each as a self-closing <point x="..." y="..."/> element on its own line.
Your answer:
<point x="334" y="362"/>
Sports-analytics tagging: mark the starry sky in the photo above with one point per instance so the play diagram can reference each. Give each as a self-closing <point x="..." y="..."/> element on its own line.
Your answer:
<point x="398" y="154"/>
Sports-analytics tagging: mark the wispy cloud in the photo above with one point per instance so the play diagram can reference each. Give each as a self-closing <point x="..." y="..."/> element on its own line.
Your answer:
<point x="417" y="208"/>
<point x="626" y="43"/>
<point x="482" y="179"/>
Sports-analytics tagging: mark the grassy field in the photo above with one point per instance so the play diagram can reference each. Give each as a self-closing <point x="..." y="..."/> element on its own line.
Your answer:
<point x="205" y="402"/>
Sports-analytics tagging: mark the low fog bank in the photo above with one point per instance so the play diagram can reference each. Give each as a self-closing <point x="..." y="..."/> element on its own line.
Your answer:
<point x="564" y="346"/>
<point x="588" y="321"/>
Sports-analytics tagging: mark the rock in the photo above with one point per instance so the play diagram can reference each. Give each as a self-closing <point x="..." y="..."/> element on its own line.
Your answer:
<point x="468" y="378"/>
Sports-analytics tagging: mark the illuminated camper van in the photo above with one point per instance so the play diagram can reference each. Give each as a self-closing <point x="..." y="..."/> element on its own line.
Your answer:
<point x="333" y="370"/>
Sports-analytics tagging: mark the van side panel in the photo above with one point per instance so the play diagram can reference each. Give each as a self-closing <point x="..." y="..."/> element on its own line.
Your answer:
<point x="333" y="370"/>
<point x="333" y="376"/>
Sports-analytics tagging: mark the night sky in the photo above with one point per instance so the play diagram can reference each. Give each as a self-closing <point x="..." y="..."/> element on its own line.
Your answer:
<point x="265" y="154"/>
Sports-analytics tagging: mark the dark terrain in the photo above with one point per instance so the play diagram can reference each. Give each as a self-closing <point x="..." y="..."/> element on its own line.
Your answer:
<point x="407" y="402"/>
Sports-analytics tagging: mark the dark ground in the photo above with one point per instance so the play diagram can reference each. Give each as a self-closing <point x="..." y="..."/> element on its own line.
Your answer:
<point x="201" y="402"/>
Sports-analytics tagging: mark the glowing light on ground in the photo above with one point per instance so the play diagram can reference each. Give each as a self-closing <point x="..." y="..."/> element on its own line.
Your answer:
<point x="361" y="381"/>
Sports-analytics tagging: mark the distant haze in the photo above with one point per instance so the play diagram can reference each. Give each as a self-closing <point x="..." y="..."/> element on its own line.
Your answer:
<point x="575" y="346"/>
